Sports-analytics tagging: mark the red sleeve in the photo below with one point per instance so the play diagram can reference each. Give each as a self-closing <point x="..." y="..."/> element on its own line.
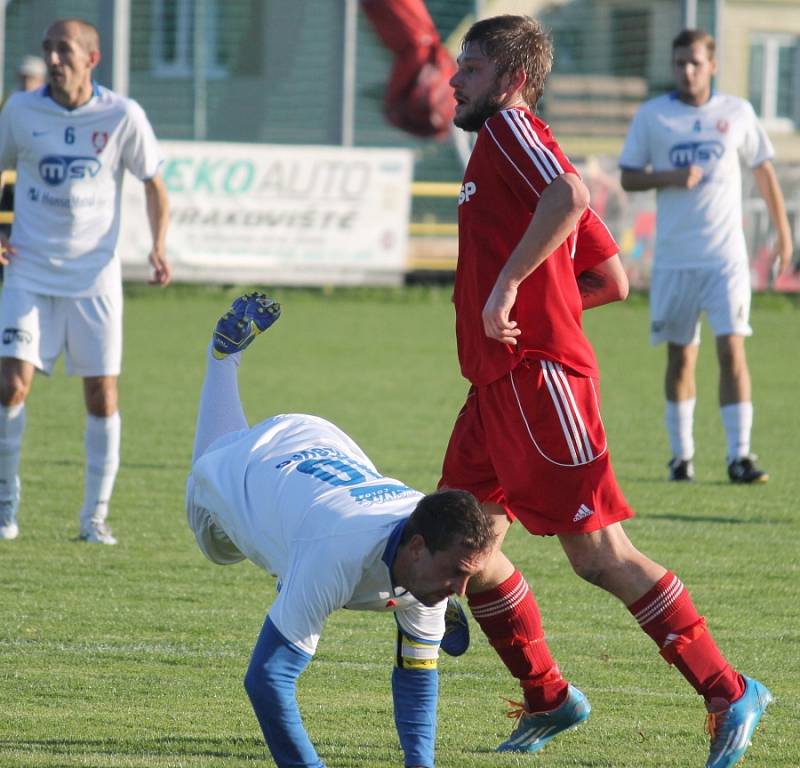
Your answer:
<point x="594" y="243"/>
<point x="525" y="154"/>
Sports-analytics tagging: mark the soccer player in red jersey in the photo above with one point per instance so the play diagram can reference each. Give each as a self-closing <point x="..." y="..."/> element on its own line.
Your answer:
<point x="529" y="440"/>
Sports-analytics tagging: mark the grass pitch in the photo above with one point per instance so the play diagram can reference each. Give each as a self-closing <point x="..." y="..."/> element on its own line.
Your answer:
<point x="134" y="655"/>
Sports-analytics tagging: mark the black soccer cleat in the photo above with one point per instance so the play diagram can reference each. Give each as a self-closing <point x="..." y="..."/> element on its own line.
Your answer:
<point x="680" y="470"/>
<point x="743" y="470"/>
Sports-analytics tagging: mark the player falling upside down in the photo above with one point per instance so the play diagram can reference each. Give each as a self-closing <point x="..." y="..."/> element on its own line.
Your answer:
<point x="529" y="442"/>
<point x="296" y="496"/>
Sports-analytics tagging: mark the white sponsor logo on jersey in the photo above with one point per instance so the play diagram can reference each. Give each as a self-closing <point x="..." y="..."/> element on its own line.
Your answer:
<point x="468" y="189"/>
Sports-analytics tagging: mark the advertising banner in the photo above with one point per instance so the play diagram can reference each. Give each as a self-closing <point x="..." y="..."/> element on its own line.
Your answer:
<point x="289" y="215"/>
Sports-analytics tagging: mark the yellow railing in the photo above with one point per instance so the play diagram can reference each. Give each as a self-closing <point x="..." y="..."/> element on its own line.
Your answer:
<point x="432" y="245"/>
<point x="7" y="177"/>
<point x="434" y="189"/>
<point x="416" y="228"/>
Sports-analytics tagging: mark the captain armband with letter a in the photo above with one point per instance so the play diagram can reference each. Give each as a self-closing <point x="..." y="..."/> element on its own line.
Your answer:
<point x="414" y="654"/>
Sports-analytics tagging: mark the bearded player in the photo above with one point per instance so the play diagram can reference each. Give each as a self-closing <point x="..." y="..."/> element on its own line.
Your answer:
<point x="529" y="442"/>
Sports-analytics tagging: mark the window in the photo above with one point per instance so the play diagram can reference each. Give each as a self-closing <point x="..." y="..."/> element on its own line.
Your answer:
<point x="630" y="41"/>
<point x="173" y="38"/>
<point x="572" y="50"/>
<point x="774" y="79"/>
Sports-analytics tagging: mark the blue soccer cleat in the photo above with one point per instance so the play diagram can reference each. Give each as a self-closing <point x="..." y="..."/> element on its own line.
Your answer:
<point x="534" y="730"/>
<point x="732" y="729"/>
<point x="248" y="316"/>
<point x="456" y="629"/>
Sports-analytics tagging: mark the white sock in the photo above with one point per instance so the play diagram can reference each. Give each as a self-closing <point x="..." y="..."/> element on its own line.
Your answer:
<point x="220" y="410"/>
<point x="679" y="418"/>
<point x="12" y="425"/>
<point x="101" y="441"/>
<point x="737" y="419"/>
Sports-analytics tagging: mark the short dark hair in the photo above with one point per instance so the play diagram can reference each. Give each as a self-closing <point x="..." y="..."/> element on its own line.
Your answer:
<point x="88" y="34"/>
<point x="686" y="38"/>
<point x="449" y="517"/>
<point x="515" y="43"/>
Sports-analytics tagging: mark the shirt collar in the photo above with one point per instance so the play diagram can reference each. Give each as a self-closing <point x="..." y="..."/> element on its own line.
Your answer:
<point x="393" y="544"/>
<point x="95" y="93"/>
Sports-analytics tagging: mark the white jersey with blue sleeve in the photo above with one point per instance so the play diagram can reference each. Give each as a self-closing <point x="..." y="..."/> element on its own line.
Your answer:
<point x="300" y="499"/>
<point x="70" y="165"/>
<point x="701" y="226"/>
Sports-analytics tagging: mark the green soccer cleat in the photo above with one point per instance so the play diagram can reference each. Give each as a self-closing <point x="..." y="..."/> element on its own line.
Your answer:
<point x="248" y="316"/>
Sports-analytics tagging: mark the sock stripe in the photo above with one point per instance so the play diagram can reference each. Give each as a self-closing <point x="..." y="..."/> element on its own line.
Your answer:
<point x="503" y="604"/>
<point x="662" y="603"/>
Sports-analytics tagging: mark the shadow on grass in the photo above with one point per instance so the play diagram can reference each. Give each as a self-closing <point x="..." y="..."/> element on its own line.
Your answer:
<point x="689" y="518"/>
<point x="161" y="466"/>
<point x="224" y="749"/>
<point x="171" y="748"/>
<point x="168" y="747"/>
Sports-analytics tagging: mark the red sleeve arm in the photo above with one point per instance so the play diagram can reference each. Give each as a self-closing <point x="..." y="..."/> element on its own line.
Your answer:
<point x="594" y="243"/>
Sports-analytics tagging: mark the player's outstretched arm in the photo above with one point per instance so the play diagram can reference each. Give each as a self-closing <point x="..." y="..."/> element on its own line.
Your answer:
<point x="271" y="684"/>
<point x="157" y="202"/>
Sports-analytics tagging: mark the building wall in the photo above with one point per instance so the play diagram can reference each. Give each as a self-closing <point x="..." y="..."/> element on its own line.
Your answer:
<point x="283" y="61"/>
<point x="740" y="20"/>
<point x="284" y="79"/>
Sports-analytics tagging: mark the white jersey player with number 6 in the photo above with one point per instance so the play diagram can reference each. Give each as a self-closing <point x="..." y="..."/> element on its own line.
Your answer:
<point x="70" y="165"/>
<point x="297" y="497"/>
<point x="71" y="142"/>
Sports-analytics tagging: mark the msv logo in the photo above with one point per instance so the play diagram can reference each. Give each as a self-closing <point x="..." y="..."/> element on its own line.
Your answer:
<point x="694" y="152"/>
<point x="10" y="335"/>
<point x="56" y="169"/>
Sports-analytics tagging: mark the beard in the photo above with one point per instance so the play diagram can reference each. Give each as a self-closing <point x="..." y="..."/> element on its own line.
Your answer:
<point x="478" y="113"/>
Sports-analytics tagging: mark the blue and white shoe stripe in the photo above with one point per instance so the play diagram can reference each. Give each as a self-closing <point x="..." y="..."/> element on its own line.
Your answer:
<point x="531" y="737"/>
<point x="733" y="729"/>
<point x="534" y="730"/>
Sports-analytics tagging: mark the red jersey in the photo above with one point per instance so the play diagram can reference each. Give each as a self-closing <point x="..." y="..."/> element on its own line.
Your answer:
<point x="513" y="161"/>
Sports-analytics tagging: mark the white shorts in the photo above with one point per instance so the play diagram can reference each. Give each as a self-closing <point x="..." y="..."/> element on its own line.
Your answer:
<point x="37" y="328"/>
<point x="678" y="296"/>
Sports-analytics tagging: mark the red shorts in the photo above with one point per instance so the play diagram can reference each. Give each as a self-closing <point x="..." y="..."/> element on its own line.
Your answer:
<point x="534" y="442"/>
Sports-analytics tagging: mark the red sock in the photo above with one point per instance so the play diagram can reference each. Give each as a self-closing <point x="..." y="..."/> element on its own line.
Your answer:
<point x="509" y="617"/>
<point x="668" y="615"/>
